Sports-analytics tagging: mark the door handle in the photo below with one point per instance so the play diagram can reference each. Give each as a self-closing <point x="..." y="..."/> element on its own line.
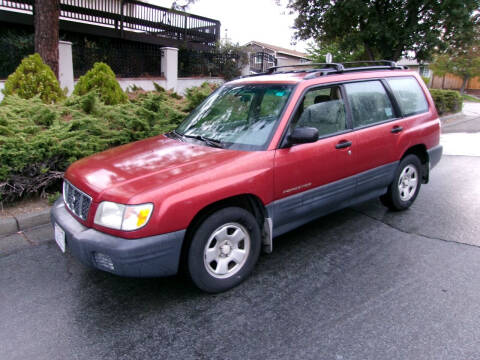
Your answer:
<point x="343" y="144"/>
<point x="396" y="129"/>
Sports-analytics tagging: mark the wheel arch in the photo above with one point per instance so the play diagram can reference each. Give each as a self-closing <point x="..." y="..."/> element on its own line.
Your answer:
<point x="420" y="150"/>
<point x="249" y="202"/>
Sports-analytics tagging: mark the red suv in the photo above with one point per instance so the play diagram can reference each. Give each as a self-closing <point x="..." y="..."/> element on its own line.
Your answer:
<point x="259" y="157"/>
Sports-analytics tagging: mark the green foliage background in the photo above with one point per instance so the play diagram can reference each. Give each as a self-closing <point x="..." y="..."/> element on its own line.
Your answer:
<point x="387" y="29"/>
<point x="317" y="52"/>
<point x="14" y="46"/>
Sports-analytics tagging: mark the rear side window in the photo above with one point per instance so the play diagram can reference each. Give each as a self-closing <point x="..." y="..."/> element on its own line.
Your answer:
<point x="409" y="95"/>
<point x="369" y="102"/>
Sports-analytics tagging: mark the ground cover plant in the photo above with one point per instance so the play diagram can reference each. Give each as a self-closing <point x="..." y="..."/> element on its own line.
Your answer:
<point x="39" y="141"/>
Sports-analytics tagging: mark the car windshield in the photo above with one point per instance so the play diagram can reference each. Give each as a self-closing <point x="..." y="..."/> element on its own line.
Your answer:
<point x="241" y="117"/>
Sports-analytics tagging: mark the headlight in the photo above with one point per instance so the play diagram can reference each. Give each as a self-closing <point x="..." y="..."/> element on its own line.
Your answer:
<point x="122" y="217"/>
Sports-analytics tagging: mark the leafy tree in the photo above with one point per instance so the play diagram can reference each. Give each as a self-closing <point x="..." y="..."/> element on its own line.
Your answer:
<point x="232" y="58"/>
<point x="317" y="53"/>
<point x="462" y="61"/>
<point x="387" y="28"/>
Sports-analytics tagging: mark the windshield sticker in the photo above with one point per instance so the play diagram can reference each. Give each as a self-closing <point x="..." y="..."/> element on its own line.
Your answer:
<point x="280" y="93"/>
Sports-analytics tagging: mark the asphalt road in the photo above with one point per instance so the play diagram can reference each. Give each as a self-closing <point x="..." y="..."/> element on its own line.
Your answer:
<point x="363" y="283"/>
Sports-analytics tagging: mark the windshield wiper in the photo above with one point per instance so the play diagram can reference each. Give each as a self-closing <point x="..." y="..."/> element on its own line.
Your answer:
<point x="206" y="140"/>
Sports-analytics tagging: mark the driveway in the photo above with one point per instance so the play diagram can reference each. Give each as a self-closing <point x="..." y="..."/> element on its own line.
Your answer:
<point x="462" y="137"/>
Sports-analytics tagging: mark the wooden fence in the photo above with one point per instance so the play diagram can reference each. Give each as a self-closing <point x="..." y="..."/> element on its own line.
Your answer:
<point x="450" y="81"/>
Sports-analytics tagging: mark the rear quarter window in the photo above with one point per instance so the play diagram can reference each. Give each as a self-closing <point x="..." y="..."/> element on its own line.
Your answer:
<point x="409" y="95"/>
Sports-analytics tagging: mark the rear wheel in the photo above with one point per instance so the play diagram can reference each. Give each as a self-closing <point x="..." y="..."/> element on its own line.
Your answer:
<point x="224" y="249"/>
<point x="404" y="189"/>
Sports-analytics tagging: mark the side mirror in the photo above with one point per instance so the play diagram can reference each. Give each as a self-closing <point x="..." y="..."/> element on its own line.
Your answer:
<point x="303" y="135"/>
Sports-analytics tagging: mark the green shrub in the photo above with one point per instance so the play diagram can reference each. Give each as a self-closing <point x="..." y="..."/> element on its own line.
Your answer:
<point x="195" y="95"/>
<point x="426" y="80"/>
<point x="89" y="102"/>
<point x="447" y="101"/>
<point x="39" y="141"/>
<point x="51" y="198"/>
<point x="34" y="78"/>
<point x="44" y="116"/>
<point x="158" y="88"/>
<point x="102" y="79"/>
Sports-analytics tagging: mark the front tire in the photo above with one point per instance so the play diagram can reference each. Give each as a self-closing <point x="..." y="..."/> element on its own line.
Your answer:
<point x="405" y="186"/>
<point x="224" y="250"/>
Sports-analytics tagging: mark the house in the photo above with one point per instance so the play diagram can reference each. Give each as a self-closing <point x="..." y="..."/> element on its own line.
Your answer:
<point x="130" y="20"/>
<point x="262" y="56"/>
<point x="421" y="67"/>
<point x="126" y="34"/>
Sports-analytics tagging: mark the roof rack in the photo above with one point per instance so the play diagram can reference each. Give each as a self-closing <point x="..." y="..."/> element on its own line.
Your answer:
<point x="335" y="68"/>
<point x="368" y="65"/>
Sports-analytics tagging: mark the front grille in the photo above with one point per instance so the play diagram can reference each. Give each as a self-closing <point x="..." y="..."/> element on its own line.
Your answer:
<point x="77" y="201"/>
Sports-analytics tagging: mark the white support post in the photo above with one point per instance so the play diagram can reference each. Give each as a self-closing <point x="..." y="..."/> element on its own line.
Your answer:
<point x="169" y="65"/>
<point x="65" y="66"/>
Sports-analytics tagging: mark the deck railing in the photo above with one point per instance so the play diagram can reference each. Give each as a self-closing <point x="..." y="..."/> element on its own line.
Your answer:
<point x="132" y="15"/>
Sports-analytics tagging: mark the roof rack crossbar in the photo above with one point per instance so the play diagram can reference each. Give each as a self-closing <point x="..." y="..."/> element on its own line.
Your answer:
<point x="389" y="63"/>
<point x="336" y="66"/>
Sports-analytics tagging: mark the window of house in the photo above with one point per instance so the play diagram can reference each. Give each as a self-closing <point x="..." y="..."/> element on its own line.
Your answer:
<point x="369" y="102"/>
<point x="424" y="71"/>
<point x="409" y="95"/>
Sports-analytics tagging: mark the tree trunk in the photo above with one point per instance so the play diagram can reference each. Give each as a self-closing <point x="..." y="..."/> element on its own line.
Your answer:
<point x="46" y="14"/>
<point x="369" y="52"/>
<point x="464" y="85"/>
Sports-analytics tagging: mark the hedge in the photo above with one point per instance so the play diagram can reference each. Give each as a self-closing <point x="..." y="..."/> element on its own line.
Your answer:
<point x="447" y="101"/>
<point x="39" y="141"/>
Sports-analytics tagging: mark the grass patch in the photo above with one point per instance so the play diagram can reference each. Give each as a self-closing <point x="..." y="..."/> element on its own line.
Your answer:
<point x="471" y="98"/>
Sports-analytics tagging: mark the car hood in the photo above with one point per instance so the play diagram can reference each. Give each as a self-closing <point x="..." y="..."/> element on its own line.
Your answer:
<point x="120" y="173"/>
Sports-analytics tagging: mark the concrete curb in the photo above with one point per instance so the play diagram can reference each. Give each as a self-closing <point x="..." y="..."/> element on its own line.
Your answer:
<point x="11" y="224"/>
<point x="446" y="118"/>
<point x="8" y="225"/>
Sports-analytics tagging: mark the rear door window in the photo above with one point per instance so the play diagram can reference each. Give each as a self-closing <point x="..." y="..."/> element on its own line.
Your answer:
<point x="369" y="103"/>
<point x="409" y="95"/>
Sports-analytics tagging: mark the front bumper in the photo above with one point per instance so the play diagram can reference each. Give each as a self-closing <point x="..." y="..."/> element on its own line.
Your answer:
<point x="146" y="257"/>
